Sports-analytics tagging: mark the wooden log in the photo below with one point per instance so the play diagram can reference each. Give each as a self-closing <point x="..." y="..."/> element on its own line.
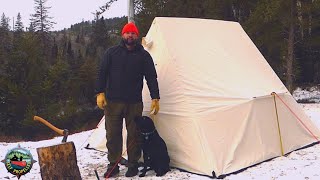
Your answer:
<point x="59" y="162"/>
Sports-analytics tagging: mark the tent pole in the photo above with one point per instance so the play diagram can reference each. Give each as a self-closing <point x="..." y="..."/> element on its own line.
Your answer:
<point x="279" y="131"/>
<point x="130" y="11"/>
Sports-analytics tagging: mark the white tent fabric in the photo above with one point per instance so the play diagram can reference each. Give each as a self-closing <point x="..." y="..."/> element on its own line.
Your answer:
<point x="97" y="139"/>
<point x="217" y="113"/>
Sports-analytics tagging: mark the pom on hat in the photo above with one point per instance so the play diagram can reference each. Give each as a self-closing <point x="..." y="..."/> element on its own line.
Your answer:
<point x="130" y="27"/>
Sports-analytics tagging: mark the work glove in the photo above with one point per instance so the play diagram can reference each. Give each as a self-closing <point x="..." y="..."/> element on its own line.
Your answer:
<point x="101" y="100"/>
<point x="155" y="106"/>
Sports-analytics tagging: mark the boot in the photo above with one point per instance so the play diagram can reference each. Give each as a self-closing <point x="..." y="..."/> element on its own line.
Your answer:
<point x="111" y="172"/>
<point x="132" y="171"/>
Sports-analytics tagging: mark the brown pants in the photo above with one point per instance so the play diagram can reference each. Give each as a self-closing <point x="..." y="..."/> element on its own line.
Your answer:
<point x="114" y="114"/>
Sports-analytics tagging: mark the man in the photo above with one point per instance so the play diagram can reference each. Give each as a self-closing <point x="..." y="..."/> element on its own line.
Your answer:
<point x="119" y="89"/>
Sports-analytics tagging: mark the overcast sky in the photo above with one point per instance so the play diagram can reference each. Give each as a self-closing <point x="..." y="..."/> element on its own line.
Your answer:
<point x="64" y="12"/>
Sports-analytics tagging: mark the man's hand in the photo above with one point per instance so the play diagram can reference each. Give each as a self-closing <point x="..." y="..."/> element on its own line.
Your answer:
<point x="101" y="100"/>
<point x="155" y="106"/>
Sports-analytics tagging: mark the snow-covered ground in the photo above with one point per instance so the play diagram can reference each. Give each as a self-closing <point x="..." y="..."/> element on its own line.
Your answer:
<point x="302" y="164"/>
<point x="311" y="94"/>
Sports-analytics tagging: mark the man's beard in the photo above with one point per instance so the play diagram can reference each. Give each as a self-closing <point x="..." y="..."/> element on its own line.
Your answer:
<point x="130" y="43"/>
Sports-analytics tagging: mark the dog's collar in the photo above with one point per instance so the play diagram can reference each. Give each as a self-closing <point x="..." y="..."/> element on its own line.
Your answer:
<point x="148" y="133"/>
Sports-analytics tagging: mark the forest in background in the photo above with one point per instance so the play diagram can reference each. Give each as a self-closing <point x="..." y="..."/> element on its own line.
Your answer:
<point x="52" y="73"/>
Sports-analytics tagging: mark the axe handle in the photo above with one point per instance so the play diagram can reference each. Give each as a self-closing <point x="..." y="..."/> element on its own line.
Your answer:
<point x="45" y="122"/>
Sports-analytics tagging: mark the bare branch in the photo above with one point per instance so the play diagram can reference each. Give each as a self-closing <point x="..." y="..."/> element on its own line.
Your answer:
<point x="104" y="8"/>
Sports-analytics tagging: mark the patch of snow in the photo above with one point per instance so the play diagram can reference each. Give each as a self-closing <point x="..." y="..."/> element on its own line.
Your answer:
<point x="311" y="94"/>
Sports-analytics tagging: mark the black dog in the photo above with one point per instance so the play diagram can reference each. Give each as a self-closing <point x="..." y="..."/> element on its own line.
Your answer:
<point x="155" y="153"/>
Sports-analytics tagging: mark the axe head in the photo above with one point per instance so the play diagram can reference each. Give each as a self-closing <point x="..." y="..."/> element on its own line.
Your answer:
<point x="65" y="135"/>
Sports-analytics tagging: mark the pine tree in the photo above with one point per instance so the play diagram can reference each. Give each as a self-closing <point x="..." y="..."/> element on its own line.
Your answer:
<point x="19" y="25"/>
<point x="54" y="50"/>
<point x="308" y="45"/>
<point x="5" y="41"/>
<point x="31" y="28"/>
<point x="272" y="26"/>
<point x="100" y="33"/>
<point x="4" y="26"/>
<point x="42" y="23"/>
<point x="41" y="20"/>
<point x="231" y="10"/>
<point x="4" y="53"/>
<point x="291" y="49"/>
<point x="21" y="81"/>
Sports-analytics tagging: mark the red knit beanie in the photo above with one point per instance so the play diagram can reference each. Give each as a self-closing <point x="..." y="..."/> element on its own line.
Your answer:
<point x="130" y="27"/>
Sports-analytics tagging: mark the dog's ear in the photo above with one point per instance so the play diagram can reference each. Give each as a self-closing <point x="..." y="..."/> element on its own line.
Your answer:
<point x="147" y="118"/>
<point x="148" y="121"/>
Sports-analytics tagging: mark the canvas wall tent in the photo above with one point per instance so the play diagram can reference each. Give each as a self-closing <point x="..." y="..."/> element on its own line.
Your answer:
<point x="217" y="113"/>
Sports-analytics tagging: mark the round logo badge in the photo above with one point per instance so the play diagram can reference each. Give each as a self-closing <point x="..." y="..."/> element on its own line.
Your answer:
<point x="18" y="161"/>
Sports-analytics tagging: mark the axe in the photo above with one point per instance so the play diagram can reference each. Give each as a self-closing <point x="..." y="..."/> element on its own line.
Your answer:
<point x="63" y="133"/>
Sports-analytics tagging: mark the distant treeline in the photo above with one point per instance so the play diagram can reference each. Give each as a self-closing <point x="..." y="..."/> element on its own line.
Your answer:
<point x="52" y="73"/>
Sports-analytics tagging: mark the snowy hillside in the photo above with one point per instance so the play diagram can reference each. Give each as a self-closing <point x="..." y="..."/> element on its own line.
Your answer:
<point x="302" y="164"/>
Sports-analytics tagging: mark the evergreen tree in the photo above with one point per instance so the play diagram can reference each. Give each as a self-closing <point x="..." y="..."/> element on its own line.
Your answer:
<point x="87" y="74"/>
<point x="31" y="28"/>
<point x="4" y="53"/>
<point x="19" y="25"/>
<point x="42" y="23"/>
<point x="290" y="45"/>
<point x="100" y="33"/>
<point x="5" y="42"/>
<point x="308" y="36"/>
<point x="283" y="31"/>
<point x="22" y="81"/>
<point x="4" y="26"/>
<point x="231" y="10"/>
<point x="99" y="39"/>
<point x="54" y="49"/>
<point x="70" y="53"/>
<point x="41" y="20"/>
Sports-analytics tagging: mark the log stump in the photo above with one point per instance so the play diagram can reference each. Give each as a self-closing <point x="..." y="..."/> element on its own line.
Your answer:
<point x="59" y="162"/>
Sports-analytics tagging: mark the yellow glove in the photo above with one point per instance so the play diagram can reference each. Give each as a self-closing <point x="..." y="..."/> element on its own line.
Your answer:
<point x="155" y="106"/>
<point x="101" y="100"/>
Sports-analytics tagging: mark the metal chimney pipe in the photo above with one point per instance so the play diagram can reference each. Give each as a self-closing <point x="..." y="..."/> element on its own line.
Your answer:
<point x="130" y="11"/>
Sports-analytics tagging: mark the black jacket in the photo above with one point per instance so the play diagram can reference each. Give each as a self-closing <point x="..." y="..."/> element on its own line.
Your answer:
<point x="122" y="71"/>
